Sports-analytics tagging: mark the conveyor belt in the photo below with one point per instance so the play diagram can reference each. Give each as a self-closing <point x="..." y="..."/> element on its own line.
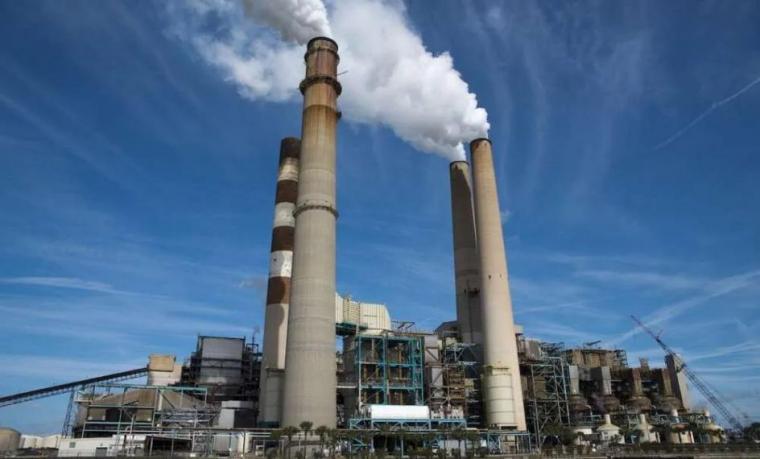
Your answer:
<point x="61" y="388"/>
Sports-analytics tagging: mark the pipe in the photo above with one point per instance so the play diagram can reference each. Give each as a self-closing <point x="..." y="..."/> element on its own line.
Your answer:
<point x="310" y="379"/>
<point x="502" y="391"/>
<point x="466" y="263"/>
<point x="278" y="286"/>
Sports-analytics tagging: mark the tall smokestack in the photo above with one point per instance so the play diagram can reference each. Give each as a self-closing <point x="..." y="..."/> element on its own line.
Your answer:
<point x="466" y="263"/>
<point x="278" y="287"/>
<point x="501" y="372"/>
<point x="310" y="379"/>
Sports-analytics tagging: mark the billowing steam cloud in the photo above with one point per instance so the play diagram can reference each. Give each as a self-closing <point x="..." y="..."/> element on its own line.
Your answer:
<point x="296" y="20"/>
<point x="390" y="78"/>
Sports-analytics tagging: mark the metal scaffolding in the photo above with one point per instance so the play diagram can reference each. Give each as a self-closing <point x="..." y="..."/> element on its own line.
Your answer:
<point x="384" y="369"/>
<point x="546" y="392"/>
<point x="115" y="409"/>
<point x="454" y="383"/>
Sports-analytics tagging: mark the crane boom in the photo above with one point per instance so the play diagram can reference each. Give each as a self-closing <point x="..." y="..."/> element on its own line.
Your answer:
<point x="710" y="394"/>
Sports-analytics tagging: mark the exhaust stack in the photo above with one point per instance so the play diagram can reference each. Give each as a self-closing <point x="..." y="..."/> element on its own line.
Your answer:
<point x="466" y="263"/>
<point x="502" y="391"/>
<point x="310" y="380"/>
<point x="278" y="286"/>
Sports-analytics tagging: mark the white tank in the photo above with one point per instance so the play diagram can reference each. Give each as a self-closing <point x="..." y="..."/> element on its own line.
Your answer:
<point x="648" y="435"/>
<point x="9" y="439"/>
<point x="609" y="431"/>
<point x="416" y="412"/>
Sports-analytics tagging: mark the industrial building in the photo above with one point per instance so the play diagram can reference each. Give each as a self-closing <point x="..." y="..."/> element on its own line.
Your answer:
<point x="479" y="373"/>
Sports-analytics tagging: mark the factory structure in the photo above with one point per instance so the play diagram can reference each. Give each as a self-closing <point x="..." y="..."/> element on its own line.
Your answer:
<point x="331" y="361"/>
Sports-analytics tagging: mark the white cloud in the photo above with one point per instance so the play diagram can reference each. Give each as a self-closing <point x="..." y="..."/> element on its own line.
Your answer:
<point x="716" y="289"/>
<point x="63" y="282"/>
<point x="389" y="77"/>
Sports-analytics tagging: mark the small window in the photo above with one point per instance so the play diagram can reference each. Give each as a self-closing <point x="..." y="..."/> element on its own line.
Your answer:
<point x="72" y="444"/>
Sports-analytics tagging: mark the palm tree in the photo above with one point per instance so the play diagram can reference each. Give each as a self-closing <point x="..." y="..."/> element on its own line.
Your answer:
<point x="321" y="431"/>
<point x="366" y="438"/>
<point x="459" y="434"/>
<point x="332" y="440"/>
<point x="401" y="435"/>
<point x="474" y="438"/>
<point x="289" y="431"/>
<point x="306" y="428"/>
<point x="428" y="439"/>
<point x="351" y="436"/>
<point x="385" y="431"/>
<point x="276" y="435"/>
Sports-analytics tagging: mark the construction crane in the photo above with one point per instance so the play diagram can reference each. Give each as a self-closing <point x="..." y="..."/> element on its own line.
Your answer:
<point x="710" y="395"/>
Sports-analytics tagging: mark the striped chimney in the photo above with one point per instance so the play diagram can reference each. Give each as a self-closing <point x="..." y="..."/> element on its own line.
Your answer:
<point x="278" y="287"/>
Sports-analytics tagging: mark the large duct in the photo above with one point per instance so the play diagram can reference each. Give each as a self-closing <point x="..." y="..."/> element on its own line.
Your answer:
<point x="310" y="380"/>
<point x="502" y="391"/>
<point x="278" y="287"/>
<point x="466" y="264"/>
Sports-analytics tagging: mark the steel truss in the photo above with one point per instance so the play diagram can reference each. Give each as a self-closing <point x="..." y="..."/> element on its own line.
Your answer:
<point x="546" y="402"/>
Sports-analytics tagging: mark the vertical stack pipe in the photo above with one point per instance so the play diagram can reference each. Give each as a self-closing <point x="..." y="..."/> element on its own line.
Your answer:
<point x="278" y="286"/>
<point x="466" y="263"/>
<point x="310" y="380"/>
<point x="502" y="388"/>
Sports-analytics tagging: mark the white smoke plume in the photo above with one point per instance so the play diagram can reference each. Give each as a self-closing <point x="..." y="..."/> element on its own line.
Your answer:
<point x="390" y="77"/>
<point x="296" y="20"/>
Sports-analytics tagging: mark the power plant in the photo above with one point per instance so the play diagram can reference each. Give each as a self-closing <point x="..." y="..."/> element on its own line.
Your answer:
<point x="475" y="384"/>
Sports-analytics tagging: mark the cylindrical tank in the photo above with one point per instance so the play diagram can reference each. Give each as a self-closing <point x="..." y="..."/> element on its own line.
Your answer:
<point x="310" y="380"/>
<point x="502" y="392"/>
<point x="9" y="439"/>
<point x="609" y="432"/>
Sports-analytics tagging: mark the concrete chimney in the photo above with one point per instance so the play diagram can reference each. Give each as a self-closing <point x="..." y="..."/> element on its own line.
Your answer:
<point x="502" y="391"/>
<point x="278" y="287"/>
<point x="466" y="263"/>
<point x="310" y="380"/>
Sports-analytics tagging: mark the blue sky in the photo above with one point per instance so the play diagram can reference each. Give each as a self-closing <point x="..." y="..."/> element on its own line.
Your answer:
<point x="136" y="186"/>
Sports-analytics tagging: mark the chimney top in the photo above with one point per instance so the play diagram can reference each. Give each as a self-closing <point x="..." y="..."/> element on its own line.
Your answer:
<point x="480" y="139"/>
<point x="308" y="45"/>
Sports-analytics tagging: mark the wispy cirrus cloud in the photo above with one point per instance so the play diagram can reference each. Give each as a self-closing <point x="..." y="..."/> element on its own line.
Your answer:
<point x="643" y="279"/>
<point x="61" y="369"/>
<point x="65" y="282"/>
<point x="714" y="290"/>
<point x="715" y="105"/>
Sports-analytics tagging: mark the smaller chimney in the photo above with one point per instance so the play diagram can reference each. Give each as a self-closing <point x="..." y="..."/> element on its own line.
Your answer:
<point x="278" y="286"/>
<point x="466" y="262"/>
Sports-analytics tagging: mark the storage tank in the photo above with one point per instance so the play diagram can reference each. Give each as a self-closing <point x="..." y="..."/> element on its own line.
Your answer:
<point x="9" y="439"/>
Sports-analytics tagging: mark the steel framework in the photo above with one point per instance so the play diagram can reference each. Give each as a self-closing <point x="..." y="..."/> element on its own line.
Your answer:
<point x="456" y="392"/>
<point x="546" y="402"/>
<point x="388" y="369"/>
<point x="112" y="409"/>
